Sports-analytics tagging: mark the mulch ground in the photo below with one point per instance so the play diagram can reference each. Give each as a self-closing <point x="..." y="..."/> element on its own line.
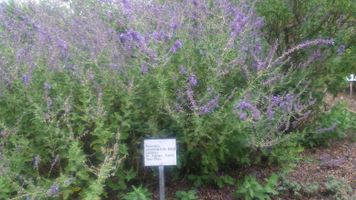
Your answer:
<point x="337" y="160"/>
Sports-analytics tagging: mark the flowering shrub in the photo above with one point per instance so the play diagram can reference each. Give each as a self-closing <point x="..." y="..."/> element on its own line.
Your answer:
<point x="82" y="84"/>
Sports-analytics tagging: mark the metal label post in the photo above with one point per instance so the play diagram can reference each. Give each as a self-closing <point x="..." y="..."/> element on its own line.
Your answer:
<point x="351" y="87"/>
<point x="351" y="79"/>
<point x="161" y="183"/>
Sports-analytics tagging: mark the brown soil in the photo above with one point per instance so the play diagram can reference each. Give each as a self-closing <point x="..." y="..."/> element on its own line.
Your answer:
<point x="337" y="160"/>
<point x="331" y="100"/>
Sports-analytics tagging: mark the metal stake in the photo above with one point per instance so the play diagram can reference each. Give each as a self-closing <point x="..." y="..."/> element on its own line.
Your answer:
<point x="351" y="85"/>
<point x="161" y="183"/>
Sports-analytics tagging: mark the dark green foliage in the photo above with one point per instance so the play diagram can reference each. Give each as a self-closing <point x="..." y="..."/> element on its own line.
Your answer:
<point x="251" y="189"/>
<point x="138" y="193"/>
<point x="186" y="195"/>
<point x="333" y="124"/>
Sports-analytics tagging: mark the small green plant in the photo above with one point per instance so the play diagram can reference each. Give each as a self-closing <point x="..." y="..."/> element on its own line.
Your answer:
<point x="286" y="153"/>
<point x="138" y="193"/>
<point x="330" y="125"/>
<point x="297" y="189"/>
<point x="224" y="180"/>
<point x="186" y="195"/>
<point x="339" y="189"/>
<point x="251" y="189"/>
<point x="291" y="186"/>
<point x="312" y="188"/>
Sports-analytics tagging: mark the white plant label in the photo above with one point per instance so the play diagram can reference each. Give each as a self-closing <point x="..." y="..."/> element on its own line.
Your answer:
<point x="160" y="152"/>
<point x="352" y="77"/>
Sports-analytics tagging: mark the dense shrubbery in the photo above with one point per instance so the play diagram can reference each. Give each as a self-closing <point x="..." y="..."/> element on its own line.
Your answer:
<point x="292" y="22"/>
<point x="83" y="84"/>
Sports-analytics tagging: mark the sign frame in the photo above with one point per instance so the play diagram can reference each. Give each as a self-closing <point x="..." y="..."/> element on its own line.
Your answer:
<point x="160" y="152"/>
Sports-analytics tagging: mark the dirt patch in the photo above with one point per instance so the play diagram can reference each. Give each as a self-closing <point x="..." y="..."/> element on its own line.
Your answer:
<point x="318" y="165"/>
<point x="330" y="100"/>
<point x="339" y="161"/>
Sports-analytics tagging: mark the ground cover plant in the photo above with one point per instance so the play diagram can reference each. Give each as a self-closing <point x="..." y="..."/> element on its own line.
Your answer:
<point x="83" y="83"/>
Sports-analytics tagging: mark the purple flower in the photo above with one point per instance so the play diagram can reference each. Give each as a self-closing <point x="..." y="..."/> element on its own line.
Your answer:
<point x="259" y="22"/>
<point x="243" y="116"/>
<point x="176" y="46"/>
<point x="302" y="46"/>
<point x="192" y="80"/>
<point x="62" y="44"/>
<point x="270" y="112"/>
<point x="209" y="107"/>
<point x="53" y="190"/>
<point x="195" y="2"/>
<point x="341" y="50"/>
<point x="276" y="100"/>
<point x="238" y="23"/>
<point x="123" y="37"/>
<point x="244" y="107"/>
<point x="26" y="79"/>
<point x="136" y="36"/>
<point x="190" y="94"/>
<point x="126" y="6"/>
<point x="130" y="37"/>
<point x="174" y="26"/>
<point x="159" y="36"/>
<point x="316" y="55"/>
<point x="144" y="69"/>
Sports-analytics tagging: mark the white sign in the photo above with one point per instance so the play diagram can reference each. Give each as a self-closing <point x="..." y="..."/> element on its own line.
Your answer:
<point x="160" y="152"/>
<point x="352" y="77"/>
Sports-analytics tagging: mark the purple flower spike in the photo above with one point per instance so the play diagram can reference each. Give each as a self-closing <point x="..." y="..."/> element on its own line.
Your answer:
<point x="159" y="36"/>
<point x="244" y="108"/>
<point x="209" y="107"/>
<point x="136" y="36"/>
<point x="62" y="44"/>
<point x="192" y="80"/>
<point x="341" y="50"/>
<point x="26" y="79"/>
<point x="176" y="46"/>
<point x="239" y="23"/>
<point x="174" y="26"/>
